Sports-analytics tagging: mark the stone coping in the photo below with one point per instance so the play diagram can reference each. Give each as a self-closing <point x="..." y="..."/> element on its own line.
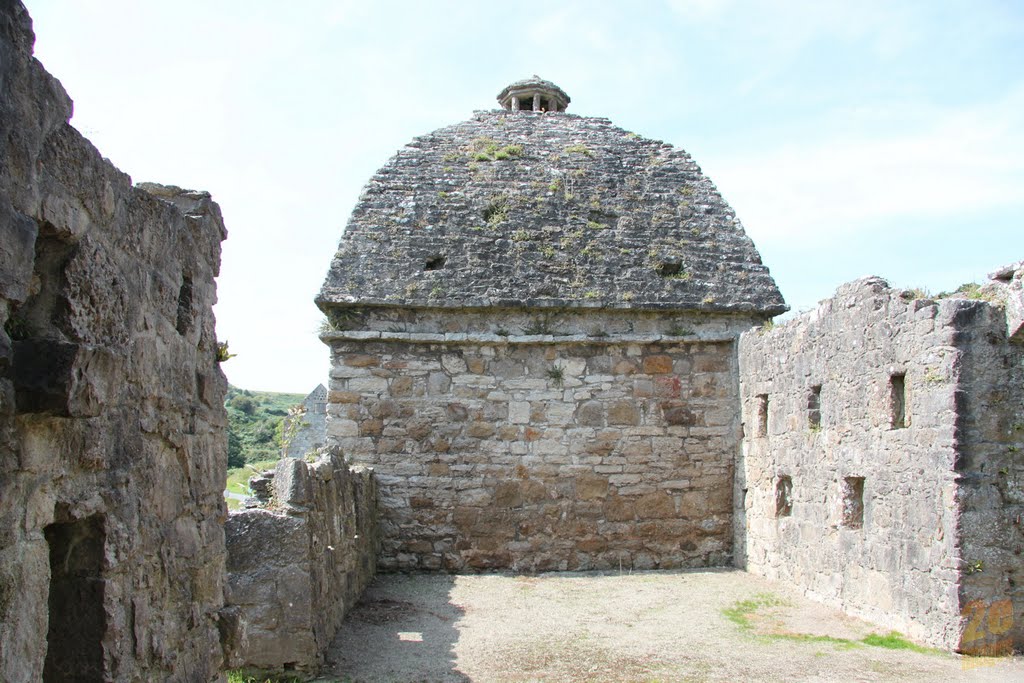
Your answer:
<point x="498" y="339"/>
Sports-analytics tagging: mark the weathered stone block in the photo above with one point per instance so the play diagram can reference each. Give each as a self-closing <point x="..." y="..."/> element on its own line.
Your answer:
<point x="659" y="364"/>
<point x="361" y="360"/>
<point x="519" y="412"/>
<point x="623" y="413"/>
<point x="591" y="488"/>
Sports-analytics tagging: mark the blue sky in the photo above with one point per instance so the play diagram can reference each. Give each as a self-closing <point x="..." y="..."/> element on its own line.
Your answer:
<point x="852" y="139"/>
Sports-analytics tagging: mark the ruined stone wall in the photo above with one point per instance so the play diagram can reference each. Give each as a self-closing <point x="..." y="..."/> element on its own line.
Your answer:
<point x="589" y="440"/>
<point x="297" y="567"/>
<point x="991" y="467"/>
<point x="875" y="431"/>
<point x="112" y="447"/>
<point x="307" y="431"/>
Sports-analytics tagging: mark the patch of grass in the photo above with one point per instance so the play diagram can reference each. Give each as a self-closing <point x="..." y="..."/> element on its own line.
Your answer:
<point x="238" y="477"/>
<point x="542" y="325"/>
<point x="556" y="375"/>
<point x="496" y="211"/>
<point x="915" y="293"/>
<point x="895" y="641"/>
<point x="579" y="149"/>
<point x="970" y="290"/>
<point x="239" y="676"/>
<point x="17" y="328"/>
<point x="487" y="149"/>
<point x="222" y="352"/>
<point x="740" y="612"/>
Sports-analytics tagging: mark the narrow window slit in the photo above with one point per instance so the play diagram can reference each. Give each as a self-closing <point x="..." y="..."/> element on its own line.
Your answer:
<point x="853" y="502"/>
<point x="898" y="400"/>
<point x="814" y="408"/>
<point x="762" y="415"/>
<point x="783" y="496"/>
<point x="184" y="318"/>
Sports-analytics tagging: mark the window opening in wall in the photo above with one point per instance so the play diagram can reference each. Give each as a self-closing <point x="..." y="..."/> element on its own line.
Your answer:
<point x="783" y="496"/>
<point x="526" y="104"/>
<point x="853" y="502"/>
<point x="434" y="263"/>
<point x="77" y="619"/>
<point x="898" y="400"/>
<point x="814" y="408"/>
<point x="762" y="415"/>
<point x="184" y="306"/>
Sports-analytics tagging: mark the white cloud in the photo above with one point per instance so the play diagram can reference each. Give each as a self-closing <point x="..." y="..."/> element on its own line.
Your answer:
<point x="965" y="159"/>
<point x="699" y="9"/>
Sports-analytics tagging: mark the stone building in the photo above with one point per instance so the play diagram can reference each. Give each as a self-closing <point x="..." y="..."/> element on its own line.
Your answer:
<point x="305" y="430"/>
<point x="534" y="322"/>
<point x="881" y="469"/>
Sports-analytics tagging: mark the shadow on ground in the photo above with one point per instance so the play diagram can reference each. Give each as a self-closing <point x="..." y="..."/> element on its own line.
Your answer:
<point x="403" y="629"/>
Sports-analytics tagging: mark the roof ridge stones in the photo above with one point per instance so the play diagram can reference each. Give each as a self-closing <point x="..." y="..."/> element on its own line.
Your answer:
<point x="545" y="211"/>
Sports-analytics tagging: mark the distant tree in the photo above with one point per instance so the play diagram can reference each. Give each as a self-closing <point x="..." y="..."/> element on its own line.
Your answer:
<point x="264" y="432"/>
<point x="243" y="403"/>
<point x="235" y="456"/>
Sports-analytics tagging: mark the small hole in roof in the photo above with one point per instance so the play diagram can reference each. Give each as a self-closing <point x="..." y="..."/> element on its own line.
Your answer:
<point x="434" y="263"/>
<point x="669" y="268"/>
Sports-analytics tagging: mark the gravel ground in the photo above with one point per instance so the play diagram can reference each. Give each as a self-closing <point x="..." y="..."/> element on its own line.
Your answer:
<point x="645" y="626"/>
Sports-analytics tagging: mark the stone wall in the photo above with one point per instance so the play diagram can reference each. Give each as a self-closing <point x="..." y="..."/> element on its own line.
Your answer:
<point x="306" y="431"/>
<point x="878" y="467"/>
<point x="590" y="440"/>
<point x="297" y="567"/>
<point x="111" y="403"/>
<point x="990" y="428"/>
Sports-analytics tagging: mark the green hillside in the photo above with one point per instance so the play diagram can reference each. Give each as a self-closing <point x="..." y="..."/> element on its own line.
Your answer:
<point x="254" y="424"/>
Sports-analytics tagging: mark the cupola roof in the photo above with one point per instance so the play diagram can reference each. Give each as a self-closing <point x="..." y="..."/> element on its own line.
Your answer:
<point x="533" y="94"/>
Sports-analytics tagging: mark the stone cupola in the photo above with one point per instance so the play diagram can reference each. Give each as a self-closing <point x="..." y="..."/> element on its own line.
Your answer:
<point x="533" y="94"/>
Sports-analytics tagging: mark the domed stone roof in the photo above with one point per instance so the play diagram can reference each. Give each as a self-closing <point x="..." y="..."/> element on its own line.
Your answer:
<point x="552" y="210"/>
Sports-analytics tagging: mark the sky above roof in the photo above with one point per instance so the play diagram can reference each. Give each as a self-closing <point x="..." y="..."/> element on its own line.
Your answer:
<point x="852" y="139"/>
